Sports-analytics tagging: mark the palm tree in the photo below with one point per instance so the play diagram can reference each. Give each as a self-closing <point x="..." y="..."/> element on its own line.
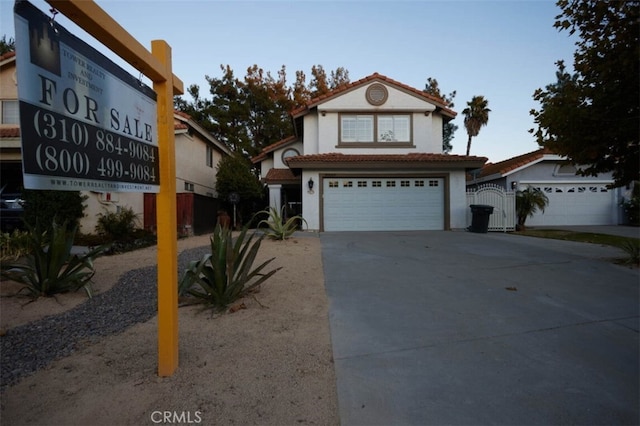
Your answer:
<point x="476" y="115"/>
<point x="528" y="202"/>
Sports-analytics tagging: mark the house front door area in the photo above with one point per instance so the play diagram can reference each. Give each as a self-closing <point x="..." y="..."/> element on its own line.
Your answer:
<point x="404" y="203"/>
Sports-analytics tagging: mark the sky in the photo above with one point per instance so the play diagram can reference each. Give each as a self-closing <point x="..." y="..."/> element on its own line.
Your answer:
<point x="503" y="50"/>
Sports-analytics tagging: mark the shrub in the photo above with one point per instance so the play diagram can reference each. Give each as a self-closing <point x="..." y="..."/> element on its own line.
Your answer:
<point x="50" y="268"/>
<point x="631" y="206"/>
<point x="46" y="207"/>
<point x="277" y="228"/>
<point x="528" y="202"/>
<point x="117" y="226"/>
<point x="225" y="275"/>
<point x="15" y="245"/>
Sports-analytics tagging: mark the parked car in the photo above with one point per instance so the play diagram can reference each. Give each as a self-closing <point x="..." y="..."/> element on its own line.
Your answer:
<point x="11" y="211"/>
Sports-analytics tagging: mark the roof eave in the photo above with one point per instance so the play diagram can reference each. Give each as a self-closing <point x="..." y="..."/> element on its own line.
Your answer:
<point x="387" y="165"/>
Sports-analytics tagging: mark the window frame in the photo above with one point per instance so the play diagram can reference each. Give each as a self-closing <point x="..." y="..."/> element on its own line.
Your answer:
<point x="209" y="156"/>
<point x="16" y="106"/>
<point x="376" y="142"/>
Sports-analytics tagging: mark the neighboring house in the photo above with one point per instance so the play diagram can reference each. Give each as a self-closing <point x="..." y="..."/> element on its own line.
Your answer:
<point x="573" y="199"/>
<point x="368" y="156"/>
<point x="197" y="156"/>
<point x="10" y="157"/>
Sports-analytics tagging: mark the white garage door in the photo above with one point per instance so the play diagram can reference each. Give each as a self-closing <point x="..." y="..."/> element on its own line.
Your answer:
<point x="383" y="204"/>
<point x="575" y="204"/>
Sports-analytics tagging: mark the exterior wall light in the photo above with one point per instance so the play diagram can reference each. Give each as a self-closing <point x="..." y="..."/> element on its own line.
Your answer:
<point x="310" y="184"/>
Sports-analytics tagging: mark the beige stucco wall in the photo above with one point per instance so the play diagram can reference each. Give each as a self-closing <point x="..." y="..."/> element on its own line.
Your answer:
<point x="458" y="200"/>
<point x="277" y="154"/>
<point x="96" y="204"/>
<point x="8" y="82"/>
<point x="355" y="100"/>
<point x="191" y="165"/>
<point x="321" y="130"/>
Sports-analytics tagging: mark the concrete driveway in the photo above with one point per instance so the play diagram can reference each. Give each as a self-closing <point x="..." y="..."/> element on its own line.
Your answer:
<point x="462" y="328"/>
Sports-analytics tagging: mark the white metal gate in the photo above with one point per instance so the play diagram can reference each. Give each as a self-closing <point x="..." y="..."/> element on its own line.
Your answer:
<point x="503" y="202"/>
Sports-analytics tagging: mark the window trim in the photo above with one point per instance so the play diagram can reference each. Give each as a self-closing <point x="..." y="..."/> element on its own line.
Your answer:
<point x="284" y="155"/>
<point x="16" y="104"/>
<point x="375" y="143"/>
<point x="209" y="156"/>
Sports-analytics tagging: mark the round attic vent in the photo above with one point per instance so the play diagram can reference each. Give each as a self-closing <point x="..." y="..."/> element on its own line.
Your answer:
<point x="377" y="94"/>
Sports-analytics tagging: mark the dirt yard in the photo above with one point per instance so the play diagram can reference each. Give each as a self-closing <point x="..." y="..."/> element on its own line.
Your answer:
<point x="269" y="363"/>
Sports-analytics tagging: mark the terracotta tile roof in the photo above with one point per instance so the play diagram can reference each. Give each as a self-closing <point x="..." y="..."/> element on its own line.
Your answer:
<point x="371" y="78"/>
<point x="7" y="56"/>
<point x="270" y="148"/>
<point x="9" y="132"/>
<point x="177" y="125"/>
<point x="281" y="176"/>
<point x="377" y="160"/>
<point x="182" y="114"/>
<point x="504" y="167"/>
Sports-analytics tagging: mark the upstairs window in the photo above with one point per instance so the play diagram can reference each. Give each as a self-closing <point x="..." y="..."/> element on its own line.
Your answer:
<point x="357" y="128"/>
<point x="9" y="112"/>
<point x="209" y="156"/>
<point x="387" y="129"/>
<point x="394" y="128"/>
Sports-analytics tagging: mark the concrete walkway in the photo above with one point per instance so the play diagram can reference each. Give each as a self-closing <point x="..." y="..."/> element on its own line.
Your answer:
<point x="432" y="328"/>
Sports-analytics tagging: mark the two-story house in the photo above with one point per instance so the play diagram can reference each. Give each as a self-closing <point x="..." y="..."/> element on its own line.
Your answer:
<point x="368" y="156"/>
<point x="197" y="156"/>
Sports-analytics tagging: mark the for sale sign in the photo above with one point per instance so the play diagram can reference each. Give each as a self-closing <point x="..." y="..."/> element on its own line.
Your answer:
<point x="85" y="123"/>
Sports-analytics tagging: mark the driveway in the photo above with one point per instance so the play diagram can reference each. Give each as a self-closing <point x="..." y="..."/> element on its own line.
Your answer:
<point x="462" y="328"/>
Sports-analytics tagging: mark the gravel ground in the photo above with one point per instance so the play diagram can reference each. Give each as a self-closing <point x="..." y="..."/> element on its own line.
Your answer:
<point x="30" y="347"/>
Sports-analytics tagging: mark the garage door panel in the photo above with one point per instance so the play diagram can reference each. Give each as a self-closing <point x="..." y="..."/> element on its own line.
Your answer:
<point x="575" y="204"/>
<point x="352" y="204"/>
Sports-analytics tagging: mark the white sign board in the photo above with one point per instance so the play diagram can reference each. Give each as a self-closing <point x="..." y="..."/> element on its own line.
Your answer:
<point x="85" y="123"/>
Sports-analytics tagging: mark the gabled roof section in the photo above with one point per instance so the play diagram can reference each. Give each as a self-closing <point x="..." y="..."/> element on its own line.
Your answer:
<point x="404" y="161"/>
<point x="375" y="77"/>
<point x="182" y="122"/>
<point x="270" y="148"/>
<point x="503" y="168"/>
<point x="7" y="58"/>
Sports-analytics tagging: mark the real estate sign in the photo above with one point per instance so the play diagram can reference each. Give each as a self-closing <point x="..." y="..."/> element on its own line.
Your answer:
<point x="85" y="123"/>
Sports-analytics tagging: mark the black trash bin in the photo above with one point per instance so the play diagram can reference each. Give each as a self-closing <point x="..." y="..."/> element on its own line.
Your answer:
<point x="480" y="218"/>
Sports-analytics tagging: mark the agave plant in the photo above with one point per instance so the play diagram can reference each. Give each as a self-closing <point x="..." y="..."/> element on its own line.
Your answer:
<point x="50" y="268"/>
<point x="277" y="228"/>
<point x="632" y="250"/>
<point x="227" y="273"/>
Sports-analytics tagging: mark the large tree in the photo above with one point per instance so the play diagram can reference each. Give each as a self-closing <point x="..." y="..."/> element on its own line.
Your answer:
<point x="235" y="175"/>
<point x="250" y="113"/>
<point x="476" y="115"/>
<point x="591" y="115"/>
<point x="448" y="128"/>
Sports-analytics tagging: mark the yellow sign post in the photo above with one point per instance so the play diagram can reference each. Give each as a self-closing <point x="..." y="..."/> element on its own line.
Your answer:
<point x="156" y="65"/>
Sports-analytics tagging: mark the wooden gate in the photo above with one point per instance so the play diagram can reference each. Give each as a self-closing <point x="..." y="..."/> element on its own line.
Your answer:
<point x="503" y="202"/>
<point x="195" y="214"/>
<point x="184" y="213"/>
